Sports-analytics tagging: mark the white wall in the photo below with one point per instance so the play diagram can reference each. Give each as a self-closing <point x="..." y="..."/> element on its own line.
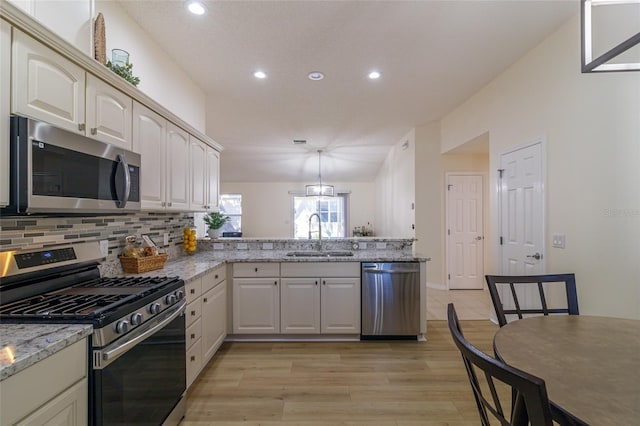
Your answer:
<point x="160" y="77"/>
<point x="430" y="182"/>
<point x="592" y="127"/>
<point x="395" y="189"/>
<point x="266" y="206"/>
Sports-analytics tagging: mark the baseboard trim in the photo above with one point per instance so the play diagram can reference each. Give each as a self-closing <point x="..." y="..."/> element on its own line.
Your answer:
<point x="436" y="286"/>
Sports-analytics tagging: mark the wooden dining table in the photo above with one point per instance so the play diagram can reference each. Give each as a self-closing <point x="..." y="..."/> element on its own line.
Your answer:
<point x="591" y="365"/>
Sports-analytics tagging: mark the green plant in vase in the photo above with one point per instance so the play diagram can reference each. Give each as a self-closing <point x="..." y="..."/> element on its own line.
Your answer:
<point x="215" y="221"/>
<point x="124" y="71"/>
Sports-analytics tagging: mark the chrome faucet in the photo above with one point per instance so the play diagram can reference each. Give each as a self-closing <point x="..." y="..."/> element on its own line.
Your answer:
<point x="319" y="229"/>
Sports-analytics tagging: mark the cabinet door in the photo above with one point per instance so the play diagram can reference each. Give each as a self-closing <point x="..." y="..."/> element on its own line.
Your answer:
<point x="45" y="85"/>
<point x="340" y="306"/>
<point x="5" y="87"/>
<point x="214" y="320"/>
<point x="194" y="362"/>
<point x="198" y="162"/>
<point x="68" y="408"/>
<point x="109" y="113"/>
<point x="256" y="305"/>
<point x="177" y="168"/>
<point x="300" y="306"/>
<point x="149" y="130"/>
<point x="213" y="179"/>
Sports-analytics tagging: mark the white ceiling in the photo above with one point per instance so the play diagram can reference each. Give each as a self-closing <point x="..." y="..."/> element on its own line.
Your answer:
<point x="432" y="54"/>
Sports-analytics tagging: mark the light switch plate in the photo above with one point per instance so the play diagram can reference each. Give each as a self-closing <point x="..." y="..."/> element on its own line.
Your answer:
<point x="558" y="240"/>
<point x="267" y="246"/>
<point x="242" y="246"/>
<point x="104" y="247"/>
<point x="218" y="246"/>
<point x="165" y="239"/>
<point x="362" y="245"/>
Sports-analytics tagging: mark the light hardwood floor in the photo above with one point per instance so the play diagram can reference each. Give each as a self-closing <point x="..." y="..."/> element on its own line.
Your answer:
<point x="373" y="383"/>
<point x="470" y="304"/>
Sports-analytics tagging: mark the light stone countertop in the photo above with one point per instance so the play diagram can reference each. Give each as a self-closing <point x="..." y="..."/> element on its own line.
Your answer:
<point x="22" y="345"/>
<point x="194" y="266"/>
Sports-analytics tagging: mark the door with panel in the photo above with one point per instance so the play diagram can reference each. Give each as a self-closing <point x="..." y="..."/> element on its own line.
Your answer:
<point x="45" y="85"/>
<point x="256" y="305"/>
<point x="109" y="113"/>
<point x="465" y="232"/>
<point x="198" y="161"/>
<point x="214" y="313"/>
<point x="149" y="140"/>
<point x="177" y="168"/>
<point x="300" y="306"/>
<point x="340" y="306"/>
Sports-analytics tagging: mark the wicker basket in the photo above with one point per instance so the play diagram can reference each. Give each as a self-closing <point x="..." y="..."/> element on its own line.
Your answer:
<point x="137" y="265"/>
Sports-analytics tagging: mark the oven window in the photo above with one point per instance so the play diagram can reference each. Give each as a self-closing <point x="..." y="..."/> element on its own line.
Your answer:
<point x="143" y="385"/>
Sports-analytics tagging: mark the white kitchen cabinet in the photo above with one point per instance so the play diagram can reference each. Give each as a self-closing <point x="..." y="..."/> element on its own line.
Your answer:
<point x="109" y="113"/>
<point x="46" y="86"/>
<point x="149" y="140"/>
<point x="337" y="299"/>
<point x="177" y="168"/>
<point x="340" y="306"/>
<point x="206" y="322"/>
<point x="214" y="312"/>
<point x="256" y="301"/>
<point x="56" y="387"/>
<point x="213" y="179"/>
<point x="5" y="107"/>
<point x="300" y="306"/>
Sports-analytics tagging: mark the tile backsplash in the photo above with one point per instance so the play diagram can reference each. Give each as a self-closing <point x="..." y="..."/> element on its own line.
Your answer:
<point x="26" y="232"/>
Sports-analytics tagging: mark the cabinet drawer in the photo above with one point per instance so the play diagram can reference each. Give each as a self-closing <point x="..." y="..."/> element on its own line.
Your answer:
<point x="193" y="289"/>
<point x="321" y="269"/>
<point x="194" y="310"/>
<point x="213" y="278"/>
<point x="253" y="270"/>
<point x="194" y="362"/>
<point x="194" y="332"/>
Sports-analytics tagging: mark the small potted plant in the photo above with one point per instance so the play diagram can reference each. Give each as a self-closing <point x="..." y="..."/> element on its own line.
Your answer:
<point x="214" y="221"/>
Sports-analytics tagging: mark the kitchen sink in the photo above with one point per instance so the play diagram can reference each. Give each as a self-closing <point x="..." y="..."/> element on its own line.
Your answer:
<point x="316" y="253"/>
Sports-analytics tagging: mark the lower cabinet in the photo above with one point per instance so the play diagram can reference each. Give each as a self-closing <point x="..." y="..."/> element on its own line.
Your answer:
<point x="304" y="298"/>
<point x="206" y="319"/>
<point x="53" y="391"/>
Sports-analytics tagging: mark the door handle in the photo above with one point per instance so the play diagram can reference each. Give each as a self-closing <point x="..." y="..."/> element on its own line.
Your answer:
<point x="478" y="238"/>
<point x="536" y="256"/>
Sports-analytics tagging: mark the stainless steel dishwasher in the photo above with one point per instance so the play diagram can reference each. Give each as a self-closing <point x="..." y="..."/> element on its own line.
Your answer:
<point x="390" y="300"/>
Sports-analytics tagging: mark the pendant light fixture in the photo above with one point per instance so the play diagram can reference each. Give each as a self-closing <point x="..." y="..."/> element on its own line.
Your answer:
<point x="319" y="189"/>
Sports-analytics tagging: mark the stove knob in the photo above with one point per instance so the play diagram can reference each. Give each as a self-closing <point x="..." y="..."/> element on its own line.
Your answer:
<point x="179" y="294"/>
<point x="122" y="327"/>
<point x="154" y="308"/>
<point x="136" y="319"/>
<point x="170" y="299"/>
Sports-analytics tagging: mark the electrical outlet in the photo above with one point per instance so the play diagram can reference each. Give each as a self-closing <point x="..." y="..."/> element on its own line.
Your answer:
<point x="381" y="246"/>
<point x="558" y="241"/>
<point x="363" y="245"/>
<point x="242" y="246"/>
<point x="267" y="246"/>
<point x="218" y="246"/>
<point x="104" y="247"/>
<point x="165" y="239"/>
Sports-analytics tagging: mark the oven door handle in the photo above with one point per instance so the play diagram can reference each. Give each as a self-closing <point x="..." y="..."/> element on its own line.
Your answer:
<point x="102" y="358"/>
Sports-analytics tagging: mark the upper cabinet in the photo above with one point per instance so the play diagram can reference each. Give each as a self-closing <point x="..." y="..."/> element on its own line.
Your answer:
<point x="149" y="140"/>
<point x="177" y="168"/>
<point x="46" y="86"/>
<point x="205" y="178"/>
<point x="109" y="113"/>
<point x="5" y="87"/>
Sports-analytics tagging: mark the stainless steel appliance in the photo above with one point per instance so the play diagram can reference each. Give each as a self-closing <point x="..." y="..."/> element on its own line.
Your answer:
<point x="56" y="171"/>
<point x="136" y="354"/>
<point x="390" y="300"/>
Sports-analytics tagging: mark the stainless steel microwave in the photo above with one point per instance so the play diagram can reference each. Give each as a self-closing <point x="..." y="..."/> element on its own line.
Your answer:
<point x="56" y="171"/>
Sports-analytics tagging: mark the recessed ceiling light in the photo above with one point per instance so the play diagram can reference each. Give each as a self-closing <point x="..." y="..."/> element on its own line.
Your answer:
<point x="373" y="75"/>
<point x="196" y="7"/>
<point x="315" y="76"/>
<point x="260" y="74"/>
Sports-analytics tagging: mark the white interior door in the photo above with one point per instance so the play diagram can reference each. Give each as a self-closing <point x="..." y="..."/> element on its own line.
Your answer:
<point x="465" y="232"/>
<point x="522" y="210"/>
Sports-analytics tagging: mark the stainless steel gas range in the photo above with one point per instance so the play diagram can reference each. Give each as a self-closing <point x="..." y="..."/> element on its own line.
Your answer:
<point x="137" y="350"/>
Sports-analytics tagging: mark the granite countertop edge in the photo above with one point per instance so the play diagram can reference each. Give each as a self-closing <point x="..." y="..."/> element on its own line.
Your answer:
<point x="194" y="266"/>
<point x="22" y="345"/>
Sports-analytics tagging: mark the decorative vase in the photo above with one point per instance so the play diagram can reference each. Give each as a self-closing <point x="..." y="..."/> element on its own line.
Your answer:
<point x="213" y="233"/>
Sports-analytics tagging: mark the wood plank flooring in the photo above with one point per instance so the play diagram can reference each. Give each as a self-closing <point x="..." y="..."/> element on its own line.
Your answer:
<point x="374" y="383"/>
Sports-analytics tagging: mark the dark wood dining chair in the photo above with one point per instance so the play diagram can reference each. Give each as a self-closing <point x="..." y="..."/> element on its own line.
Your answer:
<point x="539" y="281"/>
<point x="531" y="403"/>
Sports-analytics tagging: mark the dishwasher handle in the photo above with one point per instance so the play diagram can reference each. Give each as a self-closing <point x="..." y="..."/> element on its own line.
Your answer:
<point x="390" y="271"/>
